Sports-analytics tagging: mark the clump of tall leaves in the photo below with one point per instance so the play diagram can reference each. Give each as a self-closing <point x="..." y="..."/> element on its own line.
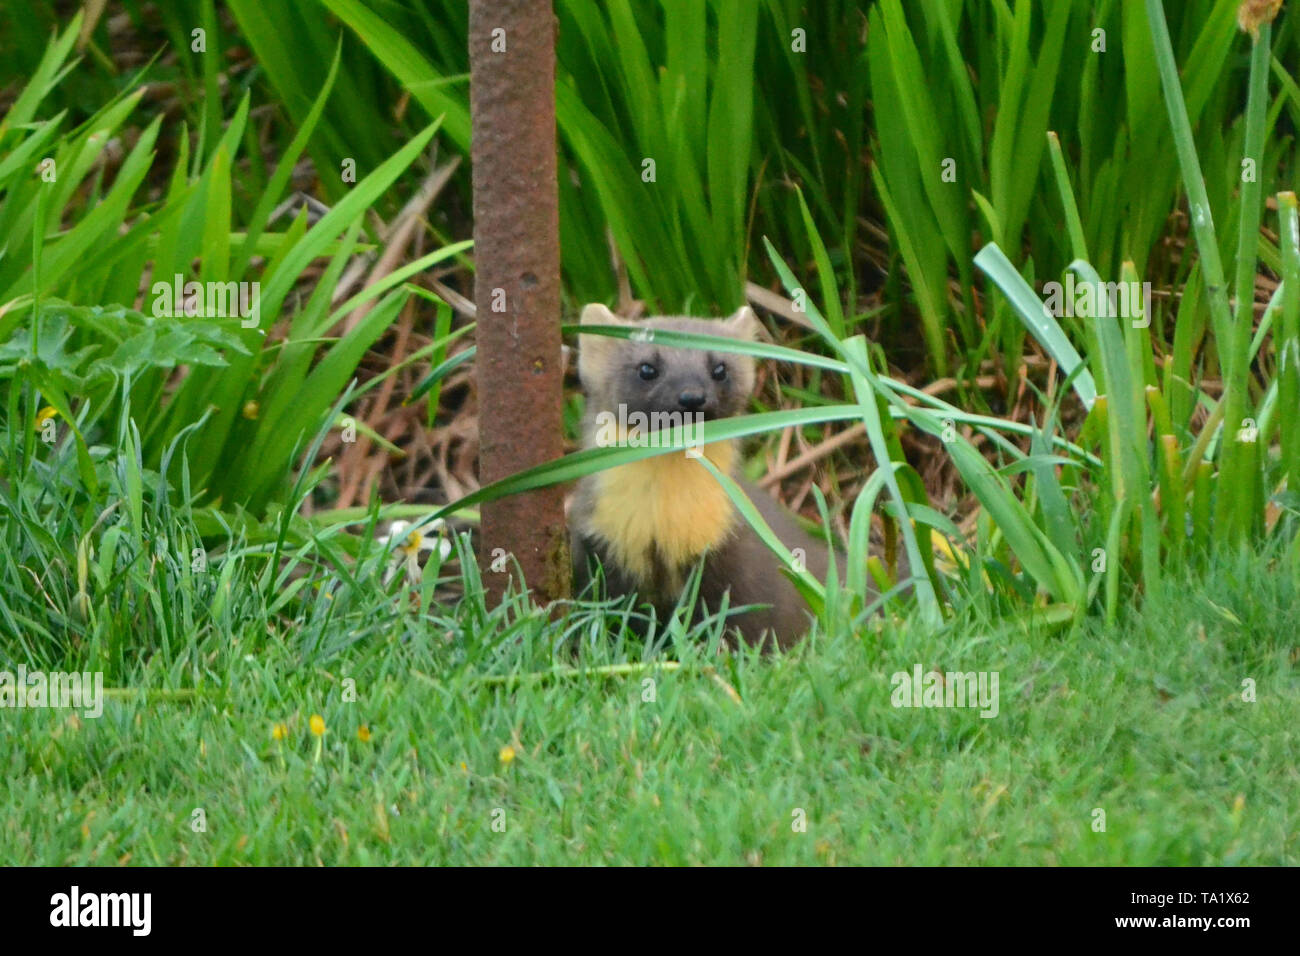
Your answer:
<point x="927" y="116"/>
<point x="964" y="95"/>
<point x="81" y="244"/>
<point x="1198" y="440"/>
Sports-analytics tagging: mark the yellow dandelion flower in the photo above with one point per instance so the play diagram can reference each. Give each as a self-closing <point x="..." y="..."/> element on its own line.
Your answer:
<point x="363" y="734"/>
<point x="279" y="731"/>
<point x="44" y="415"/>
<point x="317" y="724"/>
<point x="507" y="755"/>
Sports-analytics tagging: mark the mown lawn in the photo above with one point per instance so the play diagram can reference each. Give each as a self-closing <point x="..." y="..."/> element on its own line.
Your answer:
<point x="1145" y="721"/>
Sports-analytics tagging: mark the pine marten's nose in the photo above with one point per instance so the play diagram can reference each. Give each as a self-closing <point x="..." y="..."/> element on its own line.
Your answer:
<point x="691" y="400"/>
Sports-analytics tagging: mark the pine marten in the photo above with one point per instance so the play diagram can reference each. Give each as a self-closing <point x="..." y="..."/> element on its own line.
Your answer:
<point x="652" y="521"/>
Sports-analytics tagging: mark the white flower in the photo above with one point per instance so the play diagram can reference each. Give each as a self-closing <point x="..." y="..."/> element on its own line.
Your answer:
<point x="407" y="546"/>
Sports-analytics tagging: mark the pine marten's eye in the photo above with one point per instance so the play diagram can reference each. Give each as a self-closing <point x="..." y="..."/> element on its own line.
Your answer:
<point x="719" y="372"/>
<point x="647" y="371"/>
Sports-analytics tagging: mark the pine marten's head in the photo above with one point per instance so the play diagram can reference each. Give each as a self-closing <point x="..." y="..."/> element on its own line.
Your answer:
<point x="648" y="377"/>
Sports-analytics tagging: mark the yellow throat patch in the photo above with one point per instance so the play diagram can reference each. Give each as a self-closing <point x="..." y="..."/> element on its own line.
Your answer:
<point x="669" y="504"/>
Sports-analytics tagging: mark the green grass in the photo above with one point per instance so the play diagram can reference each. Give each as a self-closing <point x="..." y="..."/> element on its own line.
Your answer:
<point x="286" y="618"/>
<point x="1144" y="721"/>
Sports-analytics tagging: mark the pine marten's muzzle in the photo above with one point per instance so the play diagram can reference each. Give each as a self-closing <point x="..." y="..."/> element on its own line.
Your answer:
<point x="692" y="400"/>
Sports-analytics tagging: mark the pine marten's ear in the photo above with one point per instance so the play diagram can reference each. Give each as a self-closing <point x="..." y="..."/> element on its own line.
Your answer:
<point x="743" y="324"/>
<point x="596" y="351"/>
<point x="596" y="313"/>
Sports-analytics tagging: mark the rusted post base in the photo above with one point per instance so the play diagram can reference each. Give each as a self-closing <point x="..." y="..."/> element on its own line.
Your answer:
<point x="517" y="288"/>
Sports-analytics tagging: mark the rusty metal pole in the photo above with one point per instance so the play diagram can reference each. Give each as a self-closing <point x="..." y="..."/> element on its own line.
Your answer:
<point x="517" y="288"/>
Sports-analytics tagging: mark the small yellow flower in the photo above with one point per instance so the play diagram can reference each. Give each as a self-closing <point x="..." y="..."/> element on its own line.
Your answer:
<point x="317" y="724"/>
<point x="1252" y="14"/>
<point x="44" y="415"/>
<point x="363" y="734"/>
<point x="250" y="410"/>
<point x="463" y="767"/>
<point x="279" y="731"/>
<point x="507" y="755"/>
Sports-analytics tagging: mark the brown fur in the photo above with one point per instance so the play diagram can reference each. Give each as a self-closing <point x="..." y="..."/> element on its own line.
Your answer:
<point x="650" y="522"/>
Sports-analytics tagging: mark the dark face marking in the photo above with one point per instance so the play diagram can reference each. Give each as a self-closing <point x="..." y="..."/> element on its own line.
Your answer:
<point x="649" y="377"/>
